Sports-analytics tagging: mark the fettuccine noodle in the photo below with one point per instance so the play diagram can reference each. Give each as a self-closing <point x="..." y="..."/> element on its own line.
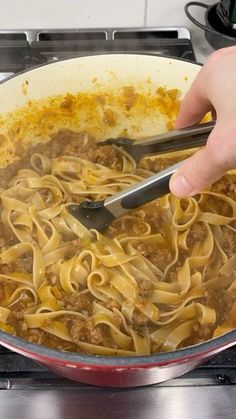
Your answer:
<point x="161" y="277"/>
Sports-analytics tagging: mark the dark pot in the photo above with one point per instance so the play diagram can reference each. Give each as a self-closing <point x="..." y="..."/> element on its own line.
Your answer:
<point x="214" y="29"/>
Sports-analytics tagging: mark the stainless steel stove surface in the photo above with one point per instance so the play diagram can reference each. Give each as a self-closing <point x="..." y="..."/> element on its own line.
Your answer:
<point x="28" y="390"/>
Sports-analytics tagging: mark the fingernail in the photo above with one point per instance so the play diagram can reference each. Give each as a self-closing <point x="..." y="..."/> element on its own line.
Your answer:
<point x="180" y="186"/>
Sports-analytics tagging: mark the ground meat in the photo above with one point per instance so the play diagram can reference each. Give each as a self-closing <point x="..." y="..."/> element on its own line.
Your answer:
<point x="139" y="318"/>
<point x="218" y="206"/>
<point x="35" y="336"/>
<point x="154" y="217"/>
<point x="221" y="186"/>
<point x="46" y="195"/>
<point x="52" y="278"/>
<point x="130" y="226"/>
<point x="75" y="198"/>
<point x="226" y="185"/>
<point x="130" y="97"/>
<point x="183" y="254"/>
<point x="220" y="301"/>
<point x="78" y="302"/>
<point x="52" y="149"/>
<point x="69" y="143"/>
<point x="112" y="304"/>
<point x="3" y="244"/>
<point x="109" y="117"/>
<point x="43" y="338"/>
<point x="159" y="257"/>
<point x="117" y="319"/>
<point x="77" y="244"/>
<point x="107" y="156"/>
<point x="156" y="165"/>
<point x="69" y="102"/>
<point x="7" y="237"/>
<point x="197" y="233"/>
<point x="7" y="174"/>
<point x="86" y="148"/>
<point x="200" y="333"/>
<point x="66" y="143"/>
<point x="17" y="315"/>
<point x="145" y="287"/>
<point x="156" y="222"/>
<point x="78" y="146"/>
<point x="203" y="331"/>
<point x="233" y="224"/>
<point x="155" y="347"/>
<point x="7" y="268"/>
<point x="172" y="275"/>
<point x="95" y="332"/>
<point x="23" y="326"/>
<point x="66" y="198"/>
<point x="229" y="242"/>
<point x="24" y="263"/>
<point x="85" y="331"/>
<point x="78" y="330"/>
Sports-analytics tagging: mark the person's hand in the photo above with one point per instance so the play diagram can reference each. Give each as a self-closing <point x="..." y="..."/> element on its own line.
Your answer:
<point x="214" y="89"/>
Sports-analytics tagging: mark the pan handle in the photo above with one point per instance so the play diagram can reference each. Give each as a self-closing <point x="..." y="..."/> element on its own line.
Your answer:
<point x="195" y="21"/>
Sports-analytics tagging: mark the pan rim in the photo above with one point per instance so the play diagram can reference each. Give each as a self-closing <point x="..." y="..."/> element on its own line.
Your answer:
<point x="55" y="62"/>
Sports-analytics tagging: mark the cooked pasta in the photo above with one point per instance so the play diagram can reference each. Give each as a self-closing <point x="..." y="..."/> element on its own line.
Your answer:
<point x="160" y="278"/>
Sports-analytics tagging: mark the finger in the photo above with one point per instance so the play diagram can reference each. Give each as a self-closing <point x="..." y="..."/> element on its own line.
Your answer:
<point x="207" y="165"/>
<point x="222" y="51"/>
<point x="195" y="104"/>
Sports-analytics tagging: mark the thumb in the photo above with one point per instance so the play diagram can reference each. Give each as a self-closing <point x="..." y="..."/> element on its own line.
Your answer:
<point x="207" y="165"/>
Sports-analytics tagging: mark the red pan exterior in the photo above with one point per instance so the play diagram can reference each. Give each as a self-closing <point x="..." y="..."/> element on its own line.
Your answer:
<point x="120" y="372"/>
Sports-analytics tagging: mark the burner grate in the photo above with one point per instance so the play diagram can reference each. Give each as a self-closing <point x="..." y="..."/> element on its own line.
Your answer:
<point x="20" y="50"/>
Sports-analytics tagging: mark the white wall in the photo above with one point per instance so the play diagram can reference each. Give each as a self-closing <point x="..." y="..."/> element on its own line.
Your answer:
<point x="91" y="13"/>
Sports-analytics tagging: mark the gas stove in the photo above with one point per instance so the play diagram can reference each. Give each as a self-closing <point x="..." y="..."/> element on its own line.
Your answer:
<point x="20" y="50"/>
<point x="27" y="389"/>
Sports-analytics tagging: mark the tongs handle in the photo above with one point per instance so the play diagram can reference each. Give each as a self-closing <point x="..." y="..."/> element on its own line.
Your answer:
<point x="183" y="139"/>
<point x="149" y="189"/>
<point x="99" y="214"/>
<point x="194" y="132"/>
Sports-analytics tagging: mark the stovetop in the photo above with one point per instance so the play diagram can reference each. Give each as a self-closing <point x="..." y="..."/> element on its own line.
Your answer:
<point x="20" y="50"/>
<point x="27" y="389"/>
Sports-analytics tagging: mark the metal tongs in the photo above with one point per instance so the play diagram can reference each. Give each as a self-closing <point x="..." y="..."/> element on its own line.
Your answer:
<point x="182" y="139"/>
<point x="99" y="214"/>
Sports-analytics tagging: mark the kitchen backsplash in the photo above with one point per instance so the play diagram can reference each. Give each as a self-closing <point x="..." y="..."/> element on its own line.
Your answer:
<point x="91" y="13"/>
<point x="171" y="12"/>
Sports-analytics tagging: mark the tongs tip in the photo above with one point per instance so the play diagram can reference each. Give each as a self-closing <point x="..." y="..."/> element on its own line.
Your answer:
<point x="120" y="141"/>
<point x="92" y="214"/>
